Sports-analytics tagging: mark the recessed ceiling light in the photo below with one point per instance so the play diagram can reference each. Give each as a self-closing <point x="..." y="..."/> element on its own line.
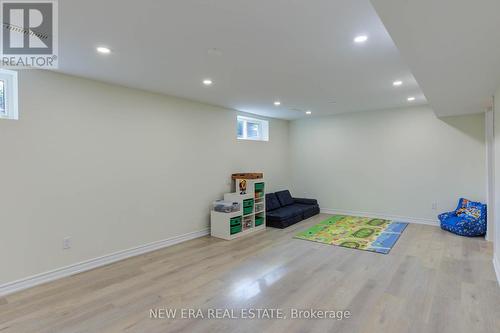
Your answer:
<point x="214" y="51"/>
<point x="411" y="99"/>
<point x="207" y="82"/>
<point x="308" y="112"/>
<point x="103" y="50"/>
<point x="277" y="103"/>
<point x="397" y="83"/>
<point x="361" y="39"/>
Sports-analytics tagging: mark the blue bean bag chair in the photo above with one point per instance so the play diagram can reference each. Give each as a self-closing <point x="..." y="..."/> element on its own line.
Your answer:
<point x="469" y="219"/>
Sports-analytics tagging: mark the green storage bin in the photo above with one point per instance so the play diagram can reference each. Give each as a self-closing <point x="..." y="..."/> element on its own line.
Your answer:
<point x="235" y="229"/>
<point x="259" y="221"/>
<point x="259" y="187"/>
<point x="247" y="210"/>
<point x="248" y="206"/>
<point x="235" y="221"/>
<point x="248" y="203"/>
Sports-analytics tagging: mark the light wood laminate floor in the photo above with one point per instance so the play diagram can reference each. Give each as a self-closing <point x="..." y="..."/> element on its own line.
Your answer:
<point x="432" y="281"/>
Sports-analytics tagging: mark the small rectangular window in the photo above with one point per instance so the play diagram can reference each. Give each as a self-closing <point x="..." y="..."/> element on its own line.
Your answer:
<point x="252" y="129"/>
<point x="8" y="94"/>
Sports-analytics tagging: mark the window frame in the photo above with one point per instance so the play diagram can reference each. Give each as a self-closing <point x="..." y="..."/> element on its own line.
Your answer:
<point x="263" y="128"/>
<point x="10" y="94"/>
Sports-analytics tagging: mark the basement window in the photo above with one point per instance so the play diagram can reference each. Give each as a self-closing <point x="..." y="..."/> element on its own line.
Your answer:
<point x="8" y="95"/>
<point x="252" y="129"/>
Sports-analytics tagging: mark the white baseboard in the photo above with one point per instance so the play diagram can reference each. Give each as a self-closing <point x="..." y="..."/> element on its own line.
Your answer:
<point x="381" y="216"/>
<point x="83" y="266"/>
<point x="496" y="266"/>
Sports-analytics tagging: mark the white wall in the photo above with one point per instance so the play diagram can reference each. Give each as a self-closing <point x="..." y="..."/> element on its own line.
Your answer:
<point x="490" y="171"/>
<point x="394" y="162"/>
<point x="496" y="178"/>
<point x="114" y="168"/>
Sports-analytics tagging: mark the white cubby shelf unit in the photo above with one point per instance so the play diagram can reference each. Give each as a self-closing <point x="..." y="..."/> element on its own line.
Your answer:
<point x="250" y="218"/>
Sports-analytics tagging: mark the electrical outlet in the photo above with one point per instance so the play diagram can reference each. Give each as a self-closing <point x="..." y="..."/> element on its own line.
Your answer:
<point x="67" y="243"/>
<point x="434" y="206"/>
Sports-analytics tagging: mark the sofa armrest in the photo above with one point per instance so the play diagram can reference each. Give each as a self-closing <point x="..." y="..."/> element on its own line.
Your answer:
<point x="305" y="201"/>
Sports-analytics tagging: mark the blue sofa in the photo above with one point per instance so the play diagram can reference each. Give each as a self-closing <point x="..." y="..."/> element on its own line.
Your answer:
<point x="469" y="219"/>
<point x="282" y="210"/>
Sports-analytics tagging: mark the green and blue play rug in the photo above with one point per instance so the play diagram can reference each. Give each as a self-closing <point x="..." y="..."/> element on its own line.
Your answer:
<point x="362" y="233"/>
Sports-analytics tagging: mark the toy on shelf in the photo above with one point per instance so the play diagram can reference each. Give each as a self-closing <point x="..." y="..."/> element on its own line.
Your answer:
<point x="226" y="206"/>
<point x="247" y="222"/>
<point x="259" y="207"/>
<point x="242" y="184"/>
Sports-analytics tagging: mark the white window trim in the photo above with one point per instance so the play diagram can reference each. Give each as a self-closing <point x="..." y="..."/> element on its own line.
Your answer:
<point x="11" y="95"/>
<point x="264" y="128"/>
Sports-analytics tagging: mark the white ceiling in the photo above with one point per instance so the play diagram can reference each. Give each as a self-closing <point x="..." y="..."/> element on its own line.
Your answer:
<point x="452" y="48"/>
<point x="300" y="52"/>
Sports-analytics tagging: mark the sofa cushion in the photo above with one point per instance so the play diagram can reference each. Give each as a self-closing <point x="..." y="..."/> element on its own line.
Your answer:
<point x="285" y="213"/>
<point x="469" y="209"/>
<point x="456" y="225"/>
<point x="283" y="223"/>
<point x="314" y="210"/>
<point x="285" y="198"/>
<point x="469" y="212"/>
<point x="305" y="201"/>
<point x="306" y="208"/>
<point x="272" y="202"/>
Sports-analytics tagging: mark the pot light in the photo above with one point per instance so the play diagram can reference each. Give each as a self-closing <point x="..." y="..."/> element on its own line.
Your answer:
<point x="103" y="50"/>
<point x="411" y="99"/>
<point x="207" y="82"/>
<point x="397" y="83"/>
<point x="361" y="39"/>
<point x="277" y="103"/>
<point x="214" y="51"/>
<point x="308" y="112"/>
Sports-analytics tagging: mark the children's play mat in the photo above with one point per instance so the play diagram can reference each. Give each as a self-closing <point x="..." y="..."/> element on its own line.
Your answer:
<point x="362" y="233"/>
